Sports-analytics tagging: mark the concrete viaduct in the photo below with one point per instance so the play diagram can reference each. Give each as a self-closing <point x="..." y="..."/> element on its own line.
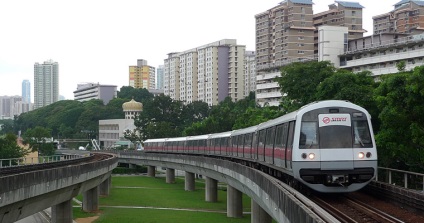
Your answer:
<point x="271" y="199"/>
<point x="27" y="193"/>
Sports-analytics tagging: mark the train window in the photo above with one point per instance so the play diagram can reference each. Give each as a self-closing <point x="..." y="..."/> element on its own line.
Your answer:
<point x="362" y="134"/>
<point x="270" y="133"/>
<point x="308" y="135"/>
<point x="281" y="136"/>
<point x="290" y="135"/>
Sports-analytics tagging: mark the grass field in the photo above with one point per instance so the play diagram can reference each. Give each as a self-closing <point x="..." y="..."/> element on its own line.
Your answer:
<point x="150" y="200"/>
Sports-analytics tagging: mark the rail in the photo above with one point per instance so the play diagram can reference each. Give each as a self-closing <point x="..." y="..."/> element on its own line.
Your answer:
<point x="409" y="180"/>
<point x="387" y="43"/>
<point x="5" y="163"/>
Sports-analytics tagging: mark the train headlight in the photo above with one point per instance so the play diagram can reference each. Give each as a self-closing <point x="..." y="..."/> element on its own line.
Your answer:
<point x="311" y="156"/>
<point x="369" y="154"/>
<point x="304" y="156"/>
<point x="361" y="155"/>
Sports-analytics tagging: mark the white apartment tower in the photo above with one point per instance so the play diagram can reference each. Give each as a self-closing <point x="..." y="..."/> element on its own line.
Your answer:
<point x="46" y="83"/>
<point x="249" y="72"/>
<point x="208" y="73"/>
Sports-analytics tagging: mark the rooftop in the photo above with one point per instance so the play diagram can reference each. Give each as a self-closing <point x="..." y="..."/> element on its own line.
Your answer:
<point x="305" y="2"/>
<point x="350" y="4"/>
<point x="418" y="2"/>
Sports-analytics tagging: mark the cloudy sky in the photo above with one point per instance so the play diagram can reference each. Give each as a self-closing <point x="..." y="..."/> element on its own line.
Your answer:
<point x="96" y="40"/>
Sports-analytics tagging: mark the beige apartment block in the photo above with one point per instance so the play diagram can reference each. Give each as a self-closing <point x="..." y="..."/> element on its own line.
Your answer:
<point x="341" y="13"/>
<point x="407" y="17"/>
<point x="284" y="34"/>
<point x="208" y="73"/>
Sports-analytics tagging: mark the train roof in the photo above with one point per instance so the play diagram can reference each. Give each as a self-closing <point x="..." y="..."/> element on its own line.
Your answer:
<point x="282" y="119"/>
<point x="155" y="140"/>
<point x="251" y="129"/>
<point x="176" y="139"/>
<point x="198" y="137"/>
<point x="220" y="135"/>
<point x="309" y="107"/>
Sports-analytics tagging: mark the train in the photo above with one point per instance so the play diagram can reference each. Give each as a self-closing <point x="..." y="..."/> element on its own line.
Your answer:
<point x="328" y="146"/>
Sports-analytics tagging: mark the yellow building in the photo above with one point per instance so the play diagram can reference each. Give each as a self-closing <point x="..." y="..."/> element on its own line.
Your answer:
<point x="142" y="75"/>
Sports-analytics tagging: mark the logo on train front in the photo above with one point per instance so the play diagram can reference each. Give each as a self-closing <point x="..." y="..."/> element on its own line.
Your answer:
<point x="326" y="120"/>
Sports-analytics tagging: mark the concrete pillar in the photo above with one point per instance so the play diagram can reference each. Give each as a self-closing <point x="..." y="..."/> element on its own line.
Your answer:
<point x="189" y="181"/>
<point x="170" y="176"/>
<point x="90" y="200"/>
<point x="234" y="203"/>
<point x="151" y="171"/>
<point x="105" y="187"/>
<point x="211" y="190"/>
<point x="259" y="215"/>
<point x="62" y="213"/>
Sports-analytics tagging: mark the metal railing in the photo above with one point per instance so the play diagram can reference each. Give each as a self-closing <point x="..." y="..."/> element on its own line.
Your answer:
<point x="387" y="43"/>
<point x="4" y="163"/>
<point x="409" y="180"/>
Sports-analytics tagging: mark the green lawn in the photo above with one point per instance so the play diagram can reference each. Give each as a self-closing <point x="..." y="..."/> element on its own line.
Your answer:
<point x="143" y="194"/>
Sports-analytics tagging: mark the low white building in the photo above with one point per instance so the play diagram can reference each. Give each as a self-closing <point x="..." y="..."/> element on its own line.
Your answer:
<point x="111" y="131"/>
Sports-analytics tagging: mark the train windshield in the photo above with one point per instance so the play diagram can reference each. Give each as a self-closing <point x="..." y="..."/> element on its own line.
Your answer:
<point x="334" y="130"/>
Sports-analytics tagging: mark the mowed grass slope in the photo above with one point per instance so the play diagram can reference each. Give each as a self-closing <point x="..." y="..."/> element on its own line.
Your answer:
<point x="144" y="199"/>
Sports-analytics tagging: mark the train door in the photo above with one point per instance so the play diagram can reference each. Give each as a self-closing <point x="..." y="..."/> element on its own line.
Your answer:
<point x="240" y="146"/>
<point x="247" y="151"/>
<point x="289" y="148"/>
<point x="269" y="145"/>
<point x="261" y="145"/>
<point x="280" y="145"/>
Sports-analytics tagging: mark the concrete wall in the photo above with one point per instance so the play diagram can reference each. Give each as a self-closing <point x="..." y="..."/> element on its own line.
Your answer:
<point x="24" y="194"/>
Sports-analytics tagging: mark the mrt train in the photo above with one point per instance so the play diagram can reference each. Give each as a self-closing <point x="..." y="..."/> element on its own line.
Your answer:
<point x="327" y="145"/>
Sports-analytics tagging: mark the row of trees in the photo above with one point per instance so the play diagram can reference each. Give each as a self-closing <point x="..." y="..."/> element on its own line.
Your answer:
<point x="394" y="101"/>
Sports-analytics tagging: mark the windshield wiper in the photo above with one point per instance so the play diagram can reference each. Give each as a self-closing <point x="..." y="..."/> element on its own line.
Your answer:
<point x="359" y="140"/>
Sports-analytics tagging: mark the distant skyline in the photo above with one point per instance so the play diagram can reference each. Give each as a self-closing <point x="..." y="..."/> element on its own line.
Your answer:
<point x="97" y="41"/>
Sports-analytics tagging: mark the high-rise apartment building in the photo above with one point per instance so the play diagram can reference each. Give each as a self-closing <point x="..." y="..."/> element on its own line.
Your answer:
<point x="11" y="106"/>
<point x="249" y="73"/>
<point x="284" y="34"/>
<point x="407" y="17"/>
<point x="142" y="75"/>
<point x="341" y="13"/>
<point x="288" y="33"/>
<point x="208" y="73"/>
<point x="159" y="77"/>
<point x="26" y="91"/>
<point x="46" y="83"/>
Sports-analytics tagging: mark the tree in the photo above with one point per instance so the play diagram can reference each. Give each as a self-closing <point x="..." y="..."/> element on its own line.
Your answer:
<point x="401" y="65"/>
<point x="134" y="136"/>
<point x="9" y="147"/>
<point x="401" y="139"/>
<point x="299" y="82"/>
<point x="37" y="140"/>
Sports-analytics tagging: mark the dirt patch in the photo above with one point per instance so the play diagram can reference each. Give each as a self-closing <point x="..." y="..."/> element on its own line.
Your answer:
<point x="86" y="220"/>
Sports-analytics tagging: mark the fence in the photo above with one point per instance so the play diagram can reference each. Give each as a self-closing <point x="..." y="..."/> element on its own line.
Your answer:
<point x="409" y="180"/>
<point x="35" y="160"/>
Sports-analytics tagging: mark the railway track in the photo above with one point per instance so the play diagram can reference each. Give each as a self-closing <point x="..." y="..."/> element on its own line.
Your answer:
<point x="34" y="167"/>
<point x="350" y="210"/>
